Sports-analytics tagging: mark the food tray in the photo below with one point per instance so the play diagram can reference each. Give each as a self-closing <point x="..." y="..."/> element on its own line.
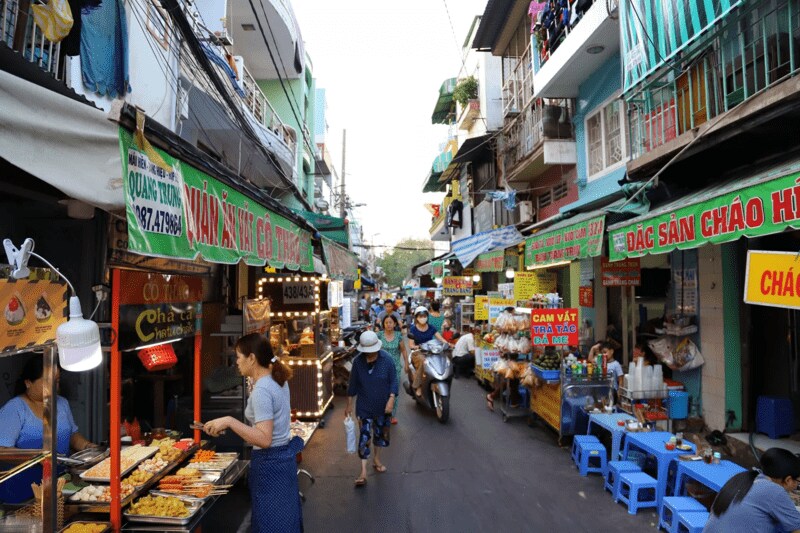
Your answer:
<point x="145" y="453"/>
<point x="547" y="375"/>
<point x="87" y="522"/>
<point x="193" y="506"/>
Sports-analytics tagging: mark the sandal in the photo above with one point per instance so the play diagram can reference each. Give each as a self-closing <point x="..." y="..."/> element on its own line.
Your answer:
<point x="379" y="468"/>
<point x="489" y="403"/>
<point x="360" y="482"/>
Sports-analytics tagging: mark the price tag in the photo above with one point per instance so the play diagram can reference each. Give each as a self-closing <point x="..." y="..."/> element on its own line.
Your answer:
<point x="298" y="293"/>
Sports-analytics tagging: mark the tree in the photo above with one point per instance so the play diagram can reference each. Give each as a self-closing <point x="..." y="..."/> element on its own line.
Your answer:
<point x="397" y="262"/>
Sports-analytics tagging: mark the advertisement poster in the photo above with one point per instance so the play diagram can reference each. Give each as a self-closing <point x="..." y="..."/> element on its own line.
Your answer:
<point x="256" y="316"/>
<point x="437" y="269"/>
<point x="625" y="273"/>
<point x="526" y="284"/>
<point x="506" y="289"/>
<point x="685" y="283"/>
<point x="490" y="262"/>
<point x="489" y="357"/>
<point x="586" y="296"/>
<point x="481" y="307"/>
<point x="157" y="308"/>
<point x="496" y="306"/>
<point x="33" y="309"/>
<point x="773" y="279"/>
<point x="576" y="241"/>
<point x="457" y="286"/>
<point x="554" y="327"/>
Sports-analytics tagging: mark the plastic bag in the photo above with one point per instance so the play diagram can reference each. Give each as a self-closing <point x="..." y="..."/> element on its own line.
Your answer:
<point x="350" y="434"/>
<point x="687" y="356"/>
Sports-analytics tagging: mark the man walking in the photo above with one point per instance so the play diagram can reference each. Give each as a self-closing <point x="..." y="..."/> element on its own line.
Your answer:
<point x="373" y="380"/>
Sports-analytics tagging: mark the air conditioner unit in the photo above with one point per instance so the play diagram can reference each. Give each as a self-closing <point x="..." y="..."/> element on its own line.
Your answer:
<point x="526" y="212"/>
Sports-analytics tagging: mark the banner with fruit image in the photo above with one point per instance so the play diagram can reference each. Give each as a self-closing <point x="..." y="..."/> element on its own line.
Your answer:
<point x="32" y="310"/>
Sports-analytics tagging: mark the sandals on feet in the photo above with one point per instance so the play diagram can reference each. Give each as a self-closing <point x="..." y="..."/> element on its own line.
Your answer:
<point x="379" y="468"/>
<point x="360" y="482"/>
<point x="489" y="403"/>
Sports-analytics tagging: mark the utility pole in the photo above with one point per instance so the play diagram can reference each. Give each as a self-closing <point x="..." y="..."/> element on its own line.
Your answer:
<point x="343" y="192"/>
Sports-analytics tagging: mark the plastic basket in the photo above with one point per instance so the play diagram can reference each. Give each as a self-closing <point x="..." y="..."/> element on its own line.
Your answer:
<point x="547" y="375"/>
<point x="159" y="357"/>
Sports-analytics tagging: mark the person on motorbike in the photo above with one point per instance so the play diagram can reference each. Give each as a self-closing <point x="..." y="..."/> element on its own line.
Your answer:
<point x="420" y="333"/>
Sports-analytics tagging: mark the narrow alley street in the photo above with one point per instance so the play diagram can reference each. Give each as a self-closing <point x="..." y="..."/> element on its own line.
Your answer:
<point x="473" y="474"/>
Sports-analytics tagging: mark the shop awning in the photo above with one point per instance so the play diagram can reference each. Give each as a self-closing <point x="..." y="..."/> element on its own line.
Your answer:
<point x="367" y="284"/>
<point x="574" y="238"/>
<point x="439" y="165"/>
<point x="445" y="108"/>
<point x="470" y="150"/>
<point x="764" y="204"/>
<point x="333" y="228"/>
<point x="342" y="264"/>
<point x="469" y="248"/>
<point x="434" y="267"/>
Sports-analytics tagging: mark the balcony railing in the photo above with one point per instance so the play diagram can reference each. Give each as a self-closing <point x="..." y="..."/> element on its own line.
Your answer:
<point x="21" y="33"/>
<point x="750" y="54"/>
<point x="259" y="105"/>
<point x="518" y="87"/>
<point x="557" y="32"/>
<point x="442" y="213"/>
<point x="544" y="118"/>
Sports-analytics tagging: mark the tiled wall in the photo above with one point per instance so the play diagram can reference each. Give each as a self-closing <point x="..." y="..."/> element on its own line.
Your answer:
<point x="712" y="335"/>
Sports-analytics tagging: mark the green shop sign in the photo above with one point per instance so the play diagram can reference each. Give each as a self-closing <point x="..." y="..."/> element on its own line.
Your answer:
<point x="184" y="213"/>
<point x="728" y="213"/>
<point x="490" y="262"/>
<point x="437" y="269"/>
<point x="576" y="241"/>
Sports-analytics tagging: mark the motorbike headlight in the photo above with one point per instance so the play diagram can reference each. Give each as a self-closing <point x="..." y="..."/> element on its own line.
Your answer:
<point x="436" y="348"/>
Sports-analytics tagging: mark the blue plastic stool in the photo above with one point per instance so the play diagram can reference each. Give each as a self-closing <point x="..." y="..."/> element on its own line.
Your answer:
<point x="774" y="416"/>
<point x="590" y="454"/>
<point x="576" y="441"/>
<point x="691" y="521"/>
<point x="615" y="468"/>
<point x="637" y="490"/>
<point x="671" y="506"/>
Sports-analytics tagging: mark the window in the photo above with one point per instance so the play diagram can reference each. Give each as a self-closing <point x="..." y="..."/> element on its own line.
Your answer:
<point x="545" y="199"/>
<point x="605" y="139"/>
<point x="560" y="191"/>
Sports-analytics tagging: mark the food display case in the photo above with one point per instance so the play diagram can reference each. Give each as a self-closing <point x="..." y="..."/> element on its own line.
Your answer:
<point x="305" y="326"/>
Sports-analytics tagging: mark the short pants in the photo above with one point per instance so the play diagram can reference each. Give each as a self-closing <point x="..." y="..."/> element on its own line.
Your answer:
<point x="376" y="429"/>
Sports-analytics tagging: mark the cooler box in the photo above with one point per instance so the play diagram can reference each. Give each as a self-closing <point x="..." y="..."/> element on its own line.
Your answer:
<point x="774" y="416"/>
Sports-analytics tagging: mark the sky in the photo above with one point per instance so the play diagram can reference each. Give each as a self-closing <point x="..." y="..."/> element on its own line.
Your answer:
<point x="381" y="64"/>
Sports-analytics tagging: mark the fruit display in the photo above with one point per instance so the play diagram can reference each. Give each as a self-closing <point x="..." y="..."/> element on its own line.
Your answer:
<point x="164" y="506"/>
<point x="548" y="361"/>
<point x="86" y="527"/>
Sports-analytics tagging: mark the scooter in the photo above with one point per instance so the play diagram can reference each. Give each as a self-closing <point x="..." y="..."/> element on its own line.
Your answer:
<point x="438" y="375"/>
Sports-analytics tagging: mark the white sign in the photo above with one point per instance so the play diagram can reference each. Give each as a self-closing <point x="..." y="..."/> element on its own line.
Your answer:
<point x="155" y="195"/>
<point x="346" y="318"/>
<point x="335" y="294"/>
<point x="506" y="289"/>
<point x="298" y="293"/>
<point x="490" y="357"/>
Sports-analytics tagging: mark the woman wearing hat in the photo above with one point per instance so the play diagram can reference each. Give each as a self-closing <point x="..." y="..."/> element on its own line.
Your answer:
<point x="420" y="333"/>
<point x="373" y="380"/>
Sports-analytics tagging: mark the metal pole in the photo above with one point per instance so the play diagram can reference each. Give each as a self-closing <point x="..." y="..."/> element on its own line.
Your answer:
<point x="115" y="415"/>
<point x="49" y="443"/>
<point x="343" y="193"/>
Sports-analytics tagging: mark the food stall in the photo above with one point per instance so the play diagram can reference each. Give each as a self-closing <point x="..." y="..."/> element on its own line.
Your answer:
<point x="305" y="326"/>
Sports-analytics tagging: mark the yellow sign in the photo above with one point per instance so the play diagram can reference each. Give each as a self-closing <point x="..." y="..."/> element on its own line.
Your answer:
<point x="457" y="286"/>
<point x="470" y="273"/>
<point x="496" y="306"/>
<point x="526" y="284"/>
<point x="32" y="310"/>
<point x="481" y="307"/>
<point x="773" y="279"/>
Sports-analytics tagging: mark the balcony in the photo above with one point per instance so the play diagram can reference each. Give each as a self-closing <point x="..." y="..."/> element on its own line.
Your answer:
<point x="469" y="114"/>
<point x="580" y="50"/>
<point x="749" y="55"/>
<point x="518" y="88"/>
<point x="22" y="35"/>
<point x="439" y="230"/>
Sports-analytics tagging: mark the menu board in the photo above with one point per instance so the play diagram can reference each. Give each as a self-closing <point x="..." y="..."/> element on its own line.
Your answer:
<point x="33" y="309"/>
<point x="481" y="307"/>
<point x="554" y="327"/>
<point x="526" y="284"/>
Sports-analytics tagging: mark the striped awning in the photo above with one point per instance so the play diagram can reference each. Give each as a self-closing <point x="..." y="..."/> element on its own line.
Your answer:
<point x="471" y="247"/>
<point x="445" y="109"/>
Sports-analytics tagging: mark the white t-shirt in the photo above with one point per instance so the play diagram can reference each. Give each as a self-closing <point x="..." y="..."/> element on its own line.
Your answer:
<point x="464" y="345"/>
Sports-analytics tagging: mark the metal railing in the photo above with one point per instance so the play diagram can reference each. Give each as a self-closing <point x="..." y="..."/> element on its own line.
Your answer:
<point x="518" y="87"/>
<point x="20" y="32"/>
<point x="258" y="104"/>
<point x="442" y="212"/>
<point x="754" y="51"/>
<point x="560" y="32"/>
<point x="543" y="118"/>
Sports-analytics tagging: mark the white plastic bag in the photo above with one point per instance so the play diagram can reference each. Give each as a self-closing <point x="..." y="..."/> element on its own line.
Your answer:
<point x="350" y="434"/>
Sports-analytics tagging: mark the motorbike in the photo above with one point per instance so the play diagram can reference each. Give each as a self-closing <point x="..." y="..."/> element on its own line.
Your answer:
<point x="438" y="375"/>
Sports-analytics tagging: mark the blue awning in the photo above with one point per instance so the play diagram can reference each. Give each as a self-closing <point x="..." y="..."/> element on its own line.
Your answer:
<point x="469" y="248"/>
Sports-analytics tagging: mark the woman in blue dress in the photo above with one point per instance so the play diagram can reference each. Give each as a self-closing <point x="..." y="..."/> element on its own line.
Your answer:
<point x="392" y="342"/>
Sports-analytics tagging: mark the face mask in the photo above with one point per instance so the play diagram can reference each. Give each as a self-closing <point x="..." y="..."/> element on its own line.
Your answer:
<point x="423" y="320"/>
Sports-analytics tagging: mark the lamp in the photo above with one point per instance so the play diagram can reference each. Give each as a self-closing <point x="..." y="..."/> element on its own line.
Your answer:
<point x="510" y="273"/>
<point x="476" y="278"/>
<point x="78" y="339"/>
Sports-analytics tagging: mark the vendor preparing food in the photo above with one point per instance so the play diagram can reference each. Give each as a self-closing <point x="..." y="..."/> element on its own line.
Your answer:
<point x="21" y="428"/>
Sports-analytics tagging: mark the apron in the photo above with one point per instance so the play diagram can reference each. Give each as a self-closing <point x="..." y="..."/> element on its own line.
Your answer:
<point x="274" y="491"/>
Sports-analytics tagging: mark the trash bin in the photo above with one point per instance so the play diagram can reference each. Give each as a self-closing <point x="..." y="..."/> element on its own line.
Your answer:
<point x="678" y="405"/>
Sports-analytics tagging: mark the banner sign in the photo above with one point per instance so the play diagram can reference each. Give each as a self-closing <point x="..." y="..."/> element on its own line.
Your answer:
<point x="186" y="213"/>
<point x="256" y="316"/>
<point x="157" y="308"/>
<point x="437" y="269"/>
<point x="457" y="286"/>
<point x="490" y="262"/>
<point x="653" y="31"/>
<point x="470" y="273"/>
<point x="576" y="241"/>
<point x="586" y="296"/>
<point x="627" y="273"/>
<point x="761" y="209"/>
<point x="341" y="263"/>
<point x="496" y="306"/>
<point x="773" y="279"/>
<point x="554" y="327"/>
<point x="481" y="307"/>
<point x="526" y="284"/>
<point x="33" y="308"/>
<point x="489" y="356"/>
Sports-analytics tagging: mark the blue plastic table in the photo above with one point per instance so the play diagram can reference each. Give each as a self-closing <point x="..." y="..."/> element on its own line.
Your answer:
<point x="653" y="444"/>
<point x="609" y="423"/>
<point x="712" y="476"/>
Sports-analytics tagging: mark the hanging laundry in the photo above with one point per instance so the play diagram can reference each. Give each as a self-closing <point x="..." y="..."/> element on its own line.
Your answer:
<point x="534" y="11"/>
<point x="509" y="198"/>
<point x="54" y="18"/>
<point x="223" y="64"/>
<point x="104" y="48"/>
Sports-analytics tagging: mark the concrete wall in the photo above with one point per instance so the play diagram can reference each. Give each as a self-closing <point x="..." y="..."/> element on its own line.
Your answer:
<point x="712" y="335"/>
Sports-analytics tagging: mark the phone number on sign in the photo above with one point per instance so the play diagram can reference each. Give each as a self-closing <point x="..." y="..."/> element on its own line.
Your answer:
<point x="158" y="221"/>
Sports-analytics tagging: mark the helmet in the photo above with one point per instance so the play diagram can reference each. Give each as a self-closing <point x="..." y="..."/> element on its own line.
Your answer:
<point x="420" y="309"/>
<point x="380" y="302"/>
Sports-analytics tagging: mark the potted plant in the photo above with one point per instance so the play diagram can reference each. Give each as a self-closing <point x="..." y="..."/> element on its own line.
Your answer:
<point x="466" y="90"/>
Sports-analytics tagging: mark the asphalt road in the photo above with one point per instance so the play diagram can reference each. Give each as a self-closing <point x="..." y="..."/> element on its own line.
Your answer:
<point x="475" y="473"/>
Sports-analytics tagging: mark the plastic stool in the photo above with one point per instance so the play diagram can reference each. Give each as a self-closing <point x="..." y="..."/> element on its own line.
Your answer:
<point x="615" y="468"/>
<point x="774" y="416"/>
<point x="691" y="521"/>
<point x="637" y="490"/>
<point x="671" y="506"/>
<point x="589" y="453"/>
<point x="576" y="441"/>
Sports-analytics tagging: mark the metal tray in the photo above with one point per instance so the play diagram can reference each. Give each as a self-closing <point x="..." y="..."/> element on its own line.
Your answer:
<point x="106" y="530"/>
<point x="193" y="506"/>
<point x="124" y="472"/>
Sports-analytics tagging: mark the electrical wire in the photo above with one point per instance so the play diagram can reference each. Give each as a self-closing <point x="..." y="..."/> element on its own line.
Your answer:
<point x="54" y="269"/>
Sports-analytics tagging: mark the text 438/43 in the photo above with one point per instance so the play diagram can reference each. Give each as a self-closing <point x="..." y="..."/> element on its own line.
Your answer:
<point x="158" y="221"/>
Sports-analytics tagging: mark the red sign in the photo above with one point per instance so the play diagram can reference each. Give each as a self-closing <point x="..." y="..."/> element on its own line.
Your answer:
<point x="586" y="296"/>
<point x="554" y="327"/>
<point x="625" y="273"/>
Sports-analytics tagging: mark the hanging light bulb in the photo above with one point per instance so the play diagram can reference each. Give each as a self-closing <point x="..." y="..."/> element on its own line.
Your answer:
<point x="476" y="278"/>
<point x="510" y="273"/>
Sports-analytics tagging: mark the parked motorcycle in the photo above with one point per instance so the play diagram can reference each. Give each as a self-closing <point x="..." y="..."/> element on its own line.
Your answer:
<point x="343" y="356"/>
<point x="437" y="377"/>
